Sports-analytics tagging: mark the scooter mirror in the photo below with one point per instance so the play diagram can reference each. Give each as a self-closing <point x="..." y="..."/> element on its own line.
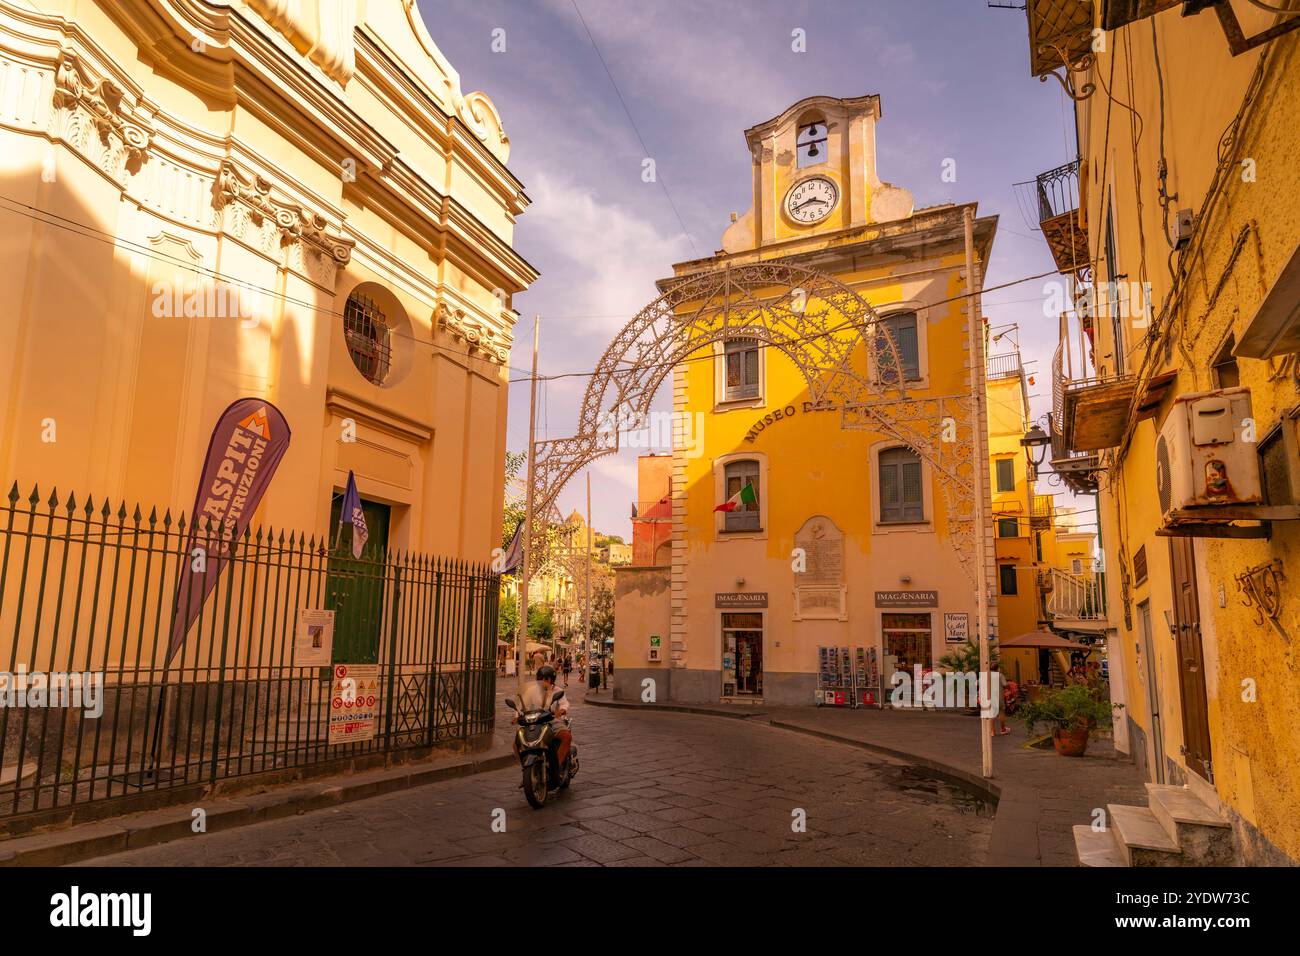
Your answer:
<point x="510" y="703"/>
<point x="557" y="695"/>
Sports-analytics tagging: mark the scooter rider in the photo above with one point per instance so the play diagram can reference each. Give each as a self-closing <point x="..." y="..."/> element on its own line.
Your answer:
<point x="539" y="697"/>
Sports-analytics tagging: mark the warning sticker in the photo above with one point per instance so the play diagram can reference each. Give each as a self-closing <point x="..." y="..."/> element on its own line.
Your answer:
<point x="354" y="703"/>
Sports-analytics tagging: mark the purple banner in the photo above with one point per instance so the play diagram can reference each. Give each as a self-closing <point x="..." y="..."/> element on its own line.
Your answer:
<point x="250" y="439"/>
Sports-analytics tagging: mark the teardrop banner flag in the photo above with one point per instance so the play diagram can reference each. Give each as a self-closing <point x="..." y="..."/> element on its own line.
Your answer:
<point x="250" y="439"/>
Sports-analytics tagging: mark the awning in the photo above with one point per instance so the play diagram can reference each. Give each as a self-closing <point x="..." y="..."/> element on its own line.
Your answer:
<point x="1041" y="639"/>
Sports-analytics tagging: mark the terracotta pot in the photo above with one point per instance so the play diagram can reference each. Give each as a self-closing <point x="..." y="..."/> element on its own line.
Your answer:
<point x="1070" y="743"/>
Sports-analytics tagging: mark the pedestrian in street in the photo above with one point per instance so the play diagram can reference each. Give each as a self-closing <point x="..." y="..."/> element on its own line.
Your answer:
<point x="568" y="668"/>
<point x="996" y="693"/>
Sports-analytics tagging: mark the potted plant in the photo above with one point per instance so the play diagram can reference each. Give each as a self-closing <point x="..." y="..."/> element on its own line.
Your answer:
<point x="1071" y="712"/>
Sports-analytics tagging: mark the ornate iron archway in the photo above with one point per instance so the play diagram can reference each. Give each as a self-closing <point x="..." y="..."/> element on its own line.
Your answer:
<point x="817" y="322"/>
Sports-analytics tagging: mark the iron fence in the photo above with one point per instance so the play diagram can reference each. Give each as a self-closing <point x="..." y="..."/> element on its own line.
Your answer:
<point x="88" y="592"/>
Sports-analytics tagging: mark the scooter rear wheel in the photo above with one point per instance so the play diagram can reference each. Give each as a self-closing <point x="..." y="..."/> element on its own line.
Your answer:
<point x="535" y="785"/>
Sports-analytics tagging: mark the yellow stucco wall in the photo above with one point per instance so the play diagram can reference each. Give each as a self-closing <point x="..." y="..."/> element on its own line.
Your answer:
<point x="1255" y="751"/>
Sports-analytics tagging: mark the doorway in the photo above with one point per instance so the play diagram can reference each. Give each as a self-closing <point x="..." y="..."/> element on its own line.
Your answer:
<point x="742" y="655"/>
<point x="1191" y="661"/>
<point x="1147" y="662"/>
<point x="354" y="588"/>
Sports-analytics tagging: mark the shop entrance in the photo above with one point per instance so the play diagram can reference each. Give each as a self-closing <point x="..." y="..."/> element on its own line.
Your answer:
<point x="742" y="655"/>
<point x="907" y="641"/>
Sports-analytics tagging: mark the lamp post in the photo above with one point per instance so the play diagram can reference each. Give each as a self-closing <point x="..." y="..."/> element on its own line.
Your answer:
<point x="1035" y="445"/>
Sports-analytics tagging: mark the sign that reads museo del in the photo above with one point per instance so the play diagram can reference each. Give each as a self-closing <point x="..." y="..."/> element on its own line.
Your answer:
<point x="907" y="599"/>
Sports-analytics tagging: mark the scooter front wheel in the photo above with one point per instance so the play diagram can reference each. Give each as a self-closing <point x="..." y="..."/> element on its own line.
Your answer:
<point x="535" y="785"/>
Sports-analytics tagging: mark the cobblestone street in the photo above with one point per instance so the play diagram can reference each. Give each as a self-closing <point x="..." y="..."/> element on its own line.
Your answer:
<point x="654" y="788"/>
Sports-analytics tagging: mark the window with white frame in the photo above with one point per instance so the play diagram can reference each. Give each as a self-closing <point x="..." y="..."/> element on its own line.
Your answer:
<point x="745" y="516"/>
<point x="740" y="358"/>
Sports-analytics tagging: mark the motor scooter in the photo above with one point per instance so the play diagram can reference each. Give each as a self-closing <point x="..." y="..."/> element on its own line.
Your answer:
<point x="539" y="747"/>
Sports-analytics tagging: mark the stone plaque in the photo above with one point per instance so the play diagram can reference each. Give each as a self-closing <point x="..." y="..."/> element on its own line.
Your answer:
<point x="823" y="548"/>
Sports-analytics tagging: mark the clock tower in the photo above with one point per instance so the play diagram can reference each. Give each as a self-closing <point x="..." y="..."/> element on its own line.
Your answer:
<point x="814" y="173"/>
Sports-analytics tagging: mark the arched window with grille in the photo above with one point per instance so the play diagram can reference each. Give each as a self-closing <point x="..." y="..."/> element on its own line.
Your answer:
<point x="366" y="332"/>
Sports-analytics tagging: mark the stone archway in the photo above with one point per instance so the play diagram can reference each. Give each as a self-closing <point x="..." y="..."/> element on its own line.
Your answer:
<point x="816" y="321"/>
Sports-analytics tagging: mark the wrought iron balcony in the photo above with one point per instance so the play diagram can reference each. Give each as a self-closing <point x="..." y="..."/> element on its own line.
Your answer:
<point x="1060" y="33"/>
<point x="1077" y="468"/>
<point x="1003" y="366"/>
<point x="1076" y="602"/>
<point x="1059" y="217"/>
<point x="1040" y="518"/>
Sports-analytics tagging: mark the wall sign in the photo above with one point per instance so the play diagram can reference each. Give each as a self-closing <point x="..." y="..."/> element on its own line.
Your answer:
<point x="907" y="599"/>
<point x="313" y="644"/>
<point x="354" y="703"/>
<point x="735" y="599"/>
<point x="956" y="628"/>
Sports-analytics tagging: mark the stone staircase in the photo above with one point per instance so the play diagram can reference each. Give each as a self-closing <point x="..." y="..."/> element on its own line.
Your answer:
<point x="1175" y="828"/>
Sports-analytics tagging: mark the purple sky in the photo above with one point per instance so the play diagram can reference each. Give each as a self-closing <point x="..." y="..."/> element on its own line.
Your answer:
<point x="954" y="84"/>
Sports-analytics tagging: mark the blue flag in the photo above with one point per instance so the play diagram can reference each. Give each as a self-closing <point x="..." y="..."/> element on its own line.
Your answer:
<point x="350" y="512"/>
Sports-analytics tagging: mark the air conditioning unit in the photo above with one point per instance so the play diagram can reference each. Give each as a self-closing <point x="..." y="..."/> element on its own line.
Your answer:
<point x="1203" y="457"/>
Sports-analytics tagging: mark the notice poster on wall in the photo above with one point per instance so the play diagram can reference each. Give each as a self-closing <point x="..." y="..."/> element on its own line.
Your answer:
<point x="354" y="703"/>
<point x="313" y="639"/>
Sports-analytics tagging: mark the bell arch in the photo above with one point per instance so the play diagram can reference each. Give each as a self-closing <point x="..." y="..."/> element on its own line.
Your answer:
<point x="816" y="321"/>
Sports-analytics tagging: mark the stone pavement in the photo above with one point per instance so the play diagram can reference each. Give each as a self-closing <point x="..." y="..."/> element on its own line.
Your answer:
<point x="654" y="789"/>
<point x="1040" y="794"/>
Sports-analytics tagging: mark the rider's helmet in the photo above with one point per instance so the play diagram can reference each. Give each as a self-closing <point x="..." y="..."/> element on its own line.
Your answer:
<point x="546" y="672"/>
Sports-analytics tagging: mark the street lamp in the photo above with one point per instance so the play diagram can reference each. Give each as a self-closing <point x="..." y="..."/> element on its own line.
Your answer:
<point x="1035" y="445"/>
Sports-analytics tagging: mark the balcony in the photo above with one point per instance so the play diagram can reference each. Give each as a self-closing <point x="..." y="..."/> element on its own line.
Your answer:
<point x="1076" y="603"/>
<point x="1003" y="366"/>
<point x="1060" y="33"/>
<point x="1078" y="468"/>
<point x="1060" y="218"/>
<point x="1040" y="518"/>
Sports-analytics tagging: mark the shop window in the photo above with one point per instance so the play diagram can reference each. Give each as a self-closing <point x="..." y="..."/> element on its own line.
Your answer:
<point x="1008" y="527"/>
<point x="1006" y="474"/>
<point x="365" y="330"/>
<point x="1007" y="579"/>
<point x="745" y="516"/>
<point x="741" y="368"/>
<point x="902" y="499"/>
<point x="908" y="640"/>
<point x="810" y="145"/>
<point x="902" y="327"/>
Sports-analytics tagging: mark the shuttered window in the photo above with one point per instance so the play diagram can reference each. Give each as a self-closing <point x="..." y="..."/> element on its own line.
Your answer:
<point x="903" y="328"/>
<point x="741" y="357"/>
<point x="901" y="496"/>
<point x="1006" y="474"/>
<point x="1007" y="579"/>
<point x="746" y="516"/>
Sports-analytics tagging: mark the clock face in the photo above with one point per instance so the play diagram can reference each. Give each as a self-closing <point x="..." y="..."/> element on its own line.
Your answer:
<point x="811" y="200"/>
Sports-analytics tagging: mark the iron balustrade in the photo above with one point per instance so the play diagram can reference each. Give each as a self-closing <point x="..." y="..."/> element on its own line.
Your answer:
<point x="1057" y="191"/>
<point x="89" y="589"/>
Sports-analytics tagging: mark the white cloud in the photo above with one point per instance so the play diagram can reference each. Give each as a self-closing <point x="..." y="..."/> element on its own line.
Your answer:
<point x="611" y="255"/>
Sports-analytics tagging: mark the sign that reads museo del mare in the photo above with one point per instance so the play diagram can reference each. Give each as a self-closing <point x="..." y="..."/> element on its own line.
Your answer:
<point x="907" y="599"/>
<point x="732" y="599"/>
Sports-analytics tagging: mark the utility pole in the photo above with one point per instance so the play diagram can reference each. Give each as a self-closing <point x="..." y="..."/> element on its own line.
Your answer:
<point x="980" y="473"/>
<point x="586" y="599"/>
<point x="527" y="555"/>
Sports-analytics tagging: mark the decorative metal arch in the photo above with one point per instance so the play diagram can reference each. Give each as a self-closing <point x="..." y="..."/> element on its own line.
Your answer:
<point x="816" y="321"/>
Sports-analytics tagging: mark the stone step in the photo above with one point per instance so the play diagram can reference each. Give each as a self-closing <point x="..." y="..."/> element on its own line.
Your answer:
<point x="1096" y="848"/>
<point x="1140" y="838"/>
<point x="1202" y="834"/>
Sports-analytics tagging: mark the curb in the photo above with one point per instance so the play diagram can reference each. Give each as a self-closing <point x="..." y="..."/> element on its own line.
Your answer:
<point x="60" y="847"/>
<point x="1016" y="806"/>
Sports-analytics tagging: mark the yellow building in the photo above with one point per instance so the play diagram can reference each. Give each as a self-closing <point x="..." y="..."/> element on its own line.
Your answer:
<point x="294" y="202"/>
<point x="1045" y="577"/>
<point x="861" y="529"/>
<point x="1176" y="393"/>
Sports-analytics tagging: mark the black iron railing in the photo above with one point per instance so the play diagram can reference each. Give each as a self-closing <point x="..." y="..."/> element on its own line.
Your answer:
<point x="1058" y="191"/>
<point x="87" y="595"/>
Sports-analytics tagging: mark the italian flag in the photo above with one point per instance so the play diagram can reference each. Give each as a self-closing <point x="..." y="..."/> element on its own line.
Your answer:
<point x="745" y="496"/>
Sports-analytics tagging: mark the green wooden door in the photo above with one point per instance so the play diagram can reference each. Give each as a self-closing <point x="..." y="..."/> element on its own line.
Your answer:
<point x="354" y="589"/>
